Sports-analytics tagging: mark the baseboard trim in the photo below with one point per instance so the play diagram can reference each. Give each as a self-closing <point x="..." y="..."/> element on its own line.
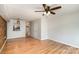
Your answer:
<point x="3" y="46"/>
<point x="15" y="38"/>
<point x="65" y="43"/>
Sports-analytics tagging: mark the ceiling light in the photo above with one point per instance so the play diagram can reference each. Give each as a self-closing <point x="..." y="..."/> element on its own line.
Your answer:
<point x="46" y="13"/>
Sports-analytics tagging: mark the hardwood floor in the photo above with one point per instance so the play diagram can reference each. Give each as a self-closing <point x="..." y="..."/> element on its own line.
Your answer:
<point x="35" y="46"/>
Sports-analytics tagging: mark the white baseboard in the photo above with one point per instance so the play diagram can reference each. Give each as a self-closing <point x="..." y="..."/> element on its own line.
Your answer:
<point x="3" y="45"/>
<point x="15" y="38"/>
<point x="66" y="43"/>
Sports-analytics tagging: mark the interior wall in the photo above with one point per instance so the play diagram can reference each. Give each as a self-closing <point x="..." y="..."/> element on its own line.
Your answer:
<point x="39" y="28"/>
<point x="36" y="29"/>
<point x="64" y="29"/>
<point x="44" y="26"/>
<point x="0" y="9"/>
<point x="15" y="34"/>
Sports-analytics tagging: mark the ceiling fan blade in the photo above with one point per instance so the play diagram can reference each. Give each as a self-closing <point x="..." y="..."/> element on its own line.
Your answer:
<point x="48" y="7"/>
<point x="44" y="5"/>
<point x="53" y="13"/>
<point x="55" y="8"/>
<point x="39" y="11"/>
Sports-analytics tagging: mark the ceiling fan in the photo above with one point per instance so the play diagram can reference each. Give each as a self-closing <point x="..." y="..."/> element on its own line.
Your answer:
<point x="48" y="9"/>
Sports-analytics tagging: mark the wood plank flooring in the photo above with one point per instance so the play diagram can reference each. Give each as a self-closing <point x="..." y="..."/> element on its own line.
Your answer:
<point x="35" y="46"/>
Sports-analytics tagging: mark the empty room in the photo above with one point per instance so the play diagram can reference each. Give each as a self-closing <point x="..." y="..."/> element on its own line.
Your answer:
<point x="39" y="28"/>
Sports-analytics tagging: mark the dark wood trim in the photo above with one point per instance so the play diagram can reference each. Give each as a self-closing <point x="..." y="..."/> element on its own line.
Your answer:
<point x="3" y="19"/>
<point x="4" y="27"/>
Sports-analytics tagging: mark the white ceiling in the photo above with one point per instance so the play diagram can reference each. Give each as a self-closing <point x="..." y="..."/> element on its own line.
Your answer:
<point x="27" y="10"/>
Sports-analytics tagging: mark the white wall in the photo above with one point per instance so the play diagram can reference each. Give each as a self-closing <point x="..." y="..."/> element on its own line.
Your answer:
<point x="15" y="34"/>
<point x="39" y="28"/>
<point x="3" y="12"/>
<point x="44" y="30"/>
<point x="36" y="29"/>
<point x="1" y="7"/>
<point x="64" y="29"/>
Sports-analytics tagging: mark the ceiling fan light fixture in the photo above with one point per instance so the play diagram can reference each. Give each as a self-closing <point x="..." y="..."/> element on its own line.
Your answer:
<point x="44" y="13"/>
<point x="48" y="10"/>
<point x="47" y="13"/>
